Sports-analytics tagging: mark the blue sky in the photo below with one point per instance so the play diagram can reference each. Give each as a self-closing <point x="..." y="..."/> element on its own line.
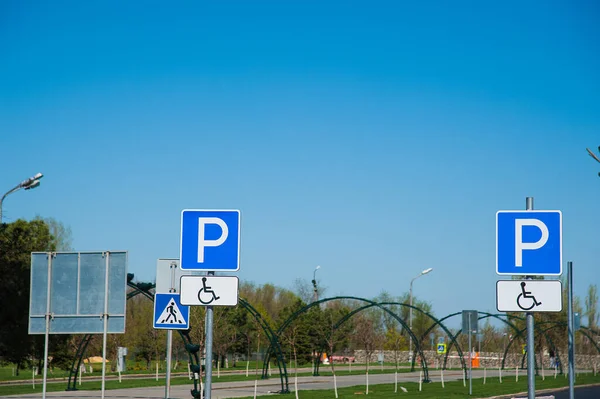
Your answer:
<point x="375" y="141"/>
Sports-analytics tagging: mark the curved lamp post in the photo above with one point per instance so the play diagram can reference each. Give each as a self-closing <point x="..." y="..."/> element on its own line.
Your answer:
<point x="27" y="184"/>
<point x="424" y="272"/>
<point x="314" y="283"/>
<point x="594" y="155"/>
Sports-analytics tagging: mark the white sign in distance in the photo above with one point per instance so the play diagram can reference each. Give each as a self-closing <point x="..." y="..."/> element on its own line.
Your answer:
<point x="529" y="296"/>
<point x="209" y="290"/>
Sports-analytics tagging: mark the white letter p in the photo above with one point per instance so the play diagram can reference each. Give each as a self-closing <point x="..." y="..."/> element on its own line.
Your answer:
<point x="202" y="243"/>
<point x="520" y="246"/>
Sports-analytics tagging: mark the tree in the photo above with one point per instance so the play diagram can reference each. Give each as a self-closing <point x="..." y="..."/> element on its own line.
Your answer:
<point x="367" y="334"/>
<point x="62" y="236"/>
<point x="591" y="306"/>
<point x="17" y="241"/>
<point x="395" y="342"/>
<point x="296" y="334"/>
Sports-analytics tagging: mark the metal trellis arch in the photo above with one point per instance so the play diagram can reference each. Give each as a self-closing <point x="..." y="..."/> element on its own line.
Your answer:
<point x="143" y="289"/>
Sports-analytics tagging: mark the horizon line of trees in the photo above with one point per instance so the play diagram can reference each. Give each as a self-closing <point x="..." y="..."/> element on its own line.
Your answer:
<point x="236" y="333"/>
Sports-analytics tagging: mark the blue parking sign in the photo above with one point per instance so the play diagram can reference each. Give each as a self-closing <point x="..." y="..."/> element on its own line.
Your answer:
<point x="210" y="240"/>
<point x="529" y="243"/>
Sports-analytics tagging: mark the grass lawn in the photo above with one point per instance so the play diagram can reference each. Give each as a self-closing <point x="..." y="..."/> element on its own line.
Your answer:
<point x="453" y="389"/>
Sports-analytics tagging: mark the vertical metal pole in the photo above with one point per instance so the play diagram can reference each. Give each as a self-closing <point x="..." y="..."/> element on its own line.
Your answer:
<point x="410" y="324"/>
<point x="47" y="334"/>
<point x="209" y="342"/>
<point x="571" y="334"/>
<point x="106" y="254"/>
<point x="470" y="360"/>
<point x="172" y="289"/>
<point x="530" y="333"/>
<point x="168" y="374"/>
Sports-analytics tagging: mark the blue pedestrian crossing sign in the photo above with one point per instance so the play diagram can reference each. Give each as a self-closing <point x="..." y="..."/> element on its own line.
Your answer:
<point x="441" y="349"/>
<point x="169" y="313"/>
<point x="529" y="243"/>
<point x="210" y="240"/>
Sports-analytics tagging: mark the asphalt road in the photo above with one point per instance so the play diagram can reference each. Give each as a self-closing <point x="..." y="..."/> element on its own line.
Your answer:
<point x="264" y="387"/>
<point x="580" y="393"/>
<point x="222" y="390"/>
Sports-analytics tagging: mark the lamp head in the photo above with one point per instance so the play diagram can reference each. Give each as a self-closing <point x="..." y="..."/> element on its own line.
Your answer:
<point x="427" y="270"/>
<point x="33" y="184"/>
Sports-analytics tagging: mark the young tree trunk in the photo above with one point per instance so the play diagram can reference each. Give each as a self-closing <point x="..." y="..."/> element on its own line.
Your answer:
<point x="295" y="359"/>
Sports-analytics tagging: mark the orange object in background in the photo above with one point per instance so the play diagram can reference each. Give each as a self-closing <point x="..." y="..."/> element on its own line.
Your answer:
<point x="475" y="360"/>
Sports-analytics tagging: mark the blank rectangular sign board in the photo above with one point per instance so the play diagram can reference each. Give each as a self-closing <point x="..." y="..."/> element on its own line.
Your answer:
<point x="529" y="296"/>
<point x="168" y="275"/>
<point x="470" y="321"/>
<point x="77" y="289"/>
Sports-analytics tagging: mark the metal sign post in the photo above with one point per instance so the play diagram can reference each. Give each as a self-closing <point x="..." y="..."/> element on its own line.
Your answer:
<point x="210" y="241"/>
<point x="47" y="333"/>
<point x="209" y="344"/>
<point x="571" y="332"/>
<point x="530" y="334"/>
<point x="169" y="313"/>
<point x="529" y="243"/>
<point x="469" y="326"/>
<point x="470" y="359"/>
<point x="173" y="267"/>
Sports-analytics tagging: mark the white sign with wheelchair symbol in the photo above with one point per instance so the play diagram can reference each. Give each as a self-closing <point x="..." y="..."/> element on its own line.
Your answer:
<point x="209" y="290"/>
<point x="529" y="296"/>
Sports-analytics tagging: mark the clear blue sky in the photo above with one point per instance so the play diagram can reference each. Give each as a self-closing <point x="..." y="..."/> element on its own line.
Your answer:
<point x="374" y="140"/>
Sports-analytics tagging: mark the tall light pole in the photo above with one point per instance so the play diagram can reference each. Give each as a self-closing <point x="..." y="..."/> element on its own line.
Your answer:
<point x="314" y="283"/>
<point x="424" y="272"/>
<point x="27" y="184"/>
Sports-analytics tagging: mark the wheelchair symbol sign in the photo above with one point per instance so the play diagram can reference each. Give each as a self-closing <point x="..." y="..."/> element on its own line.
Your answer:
<point x="529" y="296"/>
<point x="524" y="296"/>
<point x="209" y="290"/>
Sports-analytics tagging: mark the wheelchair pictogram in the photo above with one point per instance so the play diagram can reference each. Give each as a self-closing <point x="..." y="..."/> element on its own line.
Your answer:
<point x="206" y="295"/>
<point x="526" y="295"/>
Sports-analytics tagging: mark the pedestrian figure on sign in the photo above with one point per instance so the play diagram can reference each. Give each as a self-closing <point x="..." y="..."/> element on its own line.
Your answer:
<point x="172" y="312"/>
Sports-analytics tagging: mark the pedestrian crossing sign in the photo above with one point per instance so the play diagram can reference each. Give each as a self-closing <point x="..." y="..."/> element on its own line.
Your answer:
<point x="441" y="349"/>
<point x="169" y="313"/>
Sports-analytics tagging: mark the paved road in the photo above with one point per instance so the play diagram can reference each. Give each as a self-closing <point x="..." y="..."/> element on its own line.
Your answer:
<point x="264" y="387"/>
<point x="222" y="390"/>
<point x="580" y="393"/>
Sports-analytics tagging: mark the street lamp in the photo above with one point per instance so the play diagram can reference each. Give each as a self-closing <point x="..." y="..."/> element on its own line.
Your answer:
<point x="594" y="155"/>
<point x="314" y="283"/>
<point x="27" y="184"/>
<point x="424" y="272"/>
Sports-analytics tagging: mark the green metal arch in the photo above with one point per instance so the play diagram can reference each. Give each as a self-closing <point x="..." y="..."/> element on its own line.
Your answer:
<point x="536" y="333"/>
<point x="485" y="315"/>
<point x="555" y="324"/>
<point x="305" y="308"/>
<point x="138" y="289"/>
<point x="273" y="342"/>
<point x="437" y="322"/>
<point x="397" y="318"/>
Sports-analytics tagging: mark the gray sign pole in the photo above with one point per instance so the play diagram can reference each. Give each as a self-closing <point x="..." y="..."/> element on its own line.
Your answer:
<point x="209" y="342"/>
<point x="46" y="337"/>
<point x="530" y="334"/>
<point x="105" y="317"/>
<point x="470" y="360"/>
<point x="571" y="333"/>
<point x="173" y="268"/>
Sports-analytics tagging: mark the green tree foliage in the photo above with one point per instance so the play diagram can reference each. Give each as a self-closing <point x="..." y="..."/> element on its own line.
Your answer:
<point x="17" y="241"/>
<point x="147" y="343"/>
